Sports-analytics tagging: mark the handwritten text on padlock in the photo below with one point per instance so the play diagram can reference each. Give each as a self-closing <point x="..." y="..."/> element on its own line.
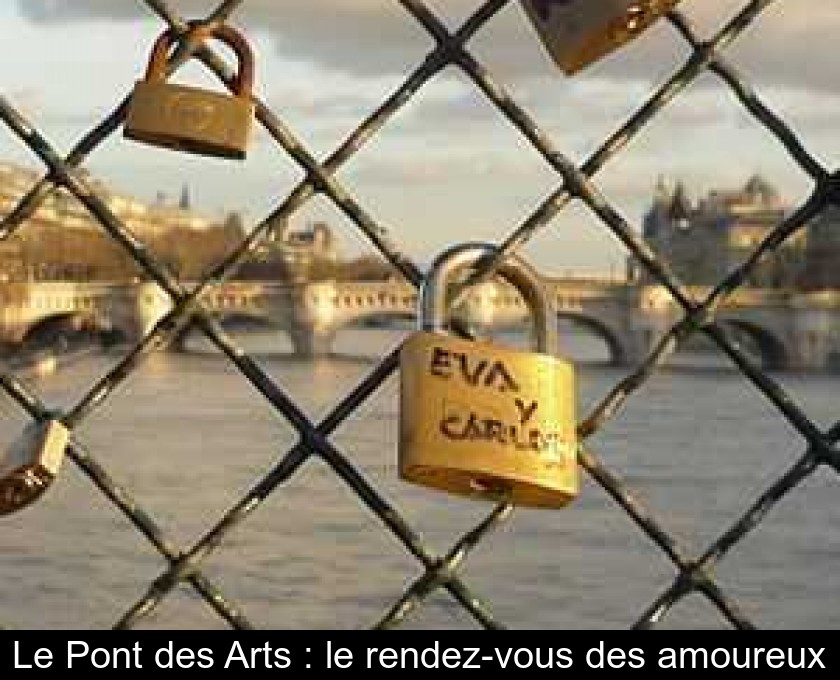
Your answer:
<point x="462" y="423"/>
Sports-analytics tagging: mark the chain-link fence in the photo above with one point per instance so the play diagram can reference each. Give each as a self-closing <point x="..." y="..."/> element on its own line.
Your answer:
<point x="694" y="572"/>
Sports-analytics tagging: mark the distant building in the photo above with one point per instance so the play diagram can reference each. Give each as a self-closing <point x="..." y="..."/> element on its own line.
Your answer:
<point x="290" y="254"/>
<point x="703" y="241"/>
<point x="62" y="207"/>
<point x="314" y="244"/>
<point x="63" y="241"/>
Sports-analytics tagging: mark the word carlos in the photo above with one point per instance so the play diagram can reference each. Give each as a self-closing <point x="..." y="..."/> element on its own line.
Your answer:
<point x="472" y="423"/>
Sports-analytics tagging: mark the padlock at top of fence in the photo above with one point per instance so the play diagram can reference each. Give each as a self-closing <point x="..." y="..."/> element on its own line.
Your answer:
<point x="577" y="33"/>
<point x="192" y="119"/>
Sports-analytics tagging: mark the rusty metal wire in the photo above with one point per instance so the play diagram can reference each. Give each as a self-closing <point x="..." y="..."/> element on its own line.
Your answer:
<point x="693" y="574"/>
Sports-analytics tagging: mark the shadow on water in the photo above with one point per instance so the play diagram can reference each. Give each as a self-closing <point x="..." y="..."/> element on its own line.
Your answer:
<point x="46" y="354"/>
<point x="371" y="342"/>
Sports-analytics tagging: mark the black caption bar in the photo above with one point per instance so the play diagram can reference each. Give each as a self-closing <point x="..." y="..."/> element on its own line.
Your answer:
<point x="339" y="652"/>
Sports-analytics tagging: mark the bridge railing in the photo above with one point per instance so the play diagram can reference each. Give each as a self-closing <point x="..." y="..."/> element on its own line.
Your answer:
<point x="694" y="572"/>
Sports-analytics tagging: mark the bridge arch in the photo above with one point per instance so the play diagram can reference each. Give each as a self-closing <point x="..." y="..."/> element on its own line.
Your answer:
<point x="771" y="349"/>
<point x="48" y="329"/>
<point x="245" y="319"/>
<point x="231" y="321"/>
<point x="346" y="335"/>
<point x="617" y="351"/>
<point x="377" y="319"/>
<point x="618" y="354"/>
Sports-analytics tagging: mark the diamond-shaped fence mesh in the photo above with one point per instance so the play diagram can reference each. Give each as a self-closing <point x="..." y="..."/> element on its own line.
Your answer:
<point x="694" y="573"/>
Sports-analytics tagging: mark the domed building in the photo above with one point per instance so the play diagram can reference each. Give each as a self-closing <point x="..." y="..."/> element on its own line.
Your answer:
<point x="705" y="240"/>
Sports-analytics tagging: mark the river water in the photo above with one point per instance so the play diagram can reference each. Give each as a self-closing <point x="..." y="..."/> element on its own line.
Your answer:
<point x="187" y="435"/>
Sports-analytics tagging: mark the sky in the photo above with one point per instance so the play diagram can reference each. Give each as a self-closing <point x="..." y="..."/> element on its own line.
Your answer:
<point x="447" y="167"/>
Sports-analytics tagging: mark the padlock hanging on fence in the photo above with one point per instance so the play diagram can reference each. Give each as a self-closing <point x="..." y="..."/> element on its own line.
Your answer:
<point x="192" y="119"/>
<point x="31" y="464"/>
<point x="481" y="420"/>
<point x="577" y="33"/>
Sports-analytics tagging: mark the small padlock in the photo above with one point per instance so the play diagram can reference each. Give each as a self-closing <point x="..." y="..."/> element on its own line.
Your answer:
<point x="481" y="420"/>
<point x="579" y="32"/>
<point x="31" y="464"/>
<point x="192" y="119"/>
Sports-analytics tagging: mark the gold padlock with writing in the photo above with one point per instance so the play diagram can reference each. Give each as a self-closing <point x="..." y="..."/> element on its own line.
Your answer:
<point x="31" y="464"/>
<point x="481" y="420"/>
<point x="192" y="119"/>
<point x="577" y="33"/>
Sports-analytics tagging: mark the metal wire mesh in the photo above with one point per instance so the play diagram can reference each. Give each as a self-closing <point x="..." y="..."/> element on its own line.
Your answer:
<point x="694" y="573"/>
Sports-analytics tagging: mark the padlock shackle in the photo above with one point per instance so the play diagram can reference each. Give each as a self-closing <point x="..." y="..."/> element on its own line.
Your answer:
<point x="517" y="272"/>
<point x="244" y="84"/>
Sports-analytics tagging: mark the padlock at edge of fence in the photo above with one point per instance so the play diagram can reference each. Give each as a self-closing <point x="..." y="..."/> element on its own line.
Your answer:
<point x="31" y="464"/>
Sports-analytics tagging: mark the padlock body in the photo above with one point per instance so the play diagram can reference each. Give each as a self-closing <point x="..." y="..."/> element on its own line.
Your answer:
<point x="488" y="422"/>
<point x="577" y="33"/>
<point x="30" y="465"/>
<point x="190" y="119"/>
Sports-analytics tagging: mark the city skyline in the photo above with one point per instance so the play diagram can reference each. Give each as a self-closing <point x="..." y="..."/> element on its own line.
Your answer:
<point x="449" y="158"/>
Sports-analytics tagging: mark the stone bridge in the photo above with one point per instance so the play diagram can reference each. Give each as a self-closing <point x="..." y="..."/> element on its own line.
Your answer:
<point x="788" y="330"/>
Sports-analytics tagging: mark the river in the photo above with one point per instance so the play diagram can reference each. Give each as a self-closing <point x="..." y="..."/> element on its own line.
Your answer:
<point x="187" y="435"/>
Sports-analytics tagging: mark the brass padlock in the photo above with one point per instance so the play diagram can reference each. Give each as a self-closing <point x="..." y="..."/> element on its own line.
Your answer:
<point x="577" y="33"/>
<point x="192" y="119"/>
<point x="481" y="420"/>
<point x="31" y="464"/>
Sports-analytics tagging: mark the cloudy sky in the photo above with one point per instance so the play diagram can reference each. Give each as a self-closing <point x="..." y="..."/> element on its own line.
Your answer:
<point x="448" y="166"/>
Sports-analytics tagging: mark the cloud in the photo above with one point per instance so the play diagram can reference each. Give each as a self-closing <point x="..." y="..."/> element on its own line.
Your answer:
<point x="791" y="44"/>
